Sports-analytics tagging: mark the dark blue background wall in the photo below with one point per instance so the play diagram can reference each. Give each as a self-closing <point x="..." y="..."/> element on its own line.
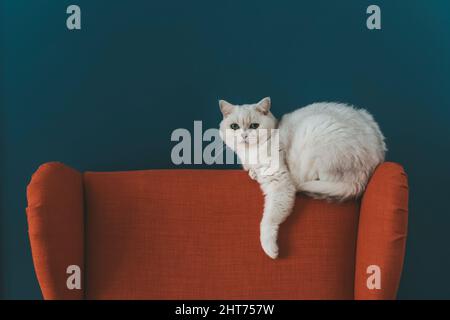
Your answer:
<point x="108" y="97"/>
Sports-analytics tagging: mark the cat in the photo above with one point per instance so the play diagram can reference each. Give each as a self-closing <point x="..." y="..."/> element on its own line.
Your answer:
<point x="325" y="150"/>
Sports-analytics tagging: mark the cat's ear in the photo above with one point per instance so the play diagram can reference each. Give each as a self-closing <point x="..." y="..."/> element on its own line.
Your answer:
<point x="264" y="105"/>
<point x="225" y="107"/>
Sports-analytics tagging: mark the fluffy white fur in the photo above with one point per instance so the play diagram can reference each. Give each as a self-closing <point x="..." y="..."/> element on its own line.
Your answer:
<point x="327" y="150"/>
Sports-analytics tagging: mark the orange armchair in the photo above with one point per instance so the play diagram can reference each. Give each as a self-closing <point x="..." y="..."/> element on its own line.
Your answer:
<point x="194" y="234"/>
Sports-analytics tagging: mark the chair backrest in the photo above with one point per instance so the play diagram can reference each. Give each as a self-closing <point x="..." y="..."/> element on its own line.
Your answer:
<point x="194" y="234"/>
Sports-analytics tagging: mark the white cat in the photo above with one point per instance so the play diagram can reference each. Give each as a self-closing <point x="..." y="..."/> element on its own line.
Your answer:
<point x="326" y="150"/>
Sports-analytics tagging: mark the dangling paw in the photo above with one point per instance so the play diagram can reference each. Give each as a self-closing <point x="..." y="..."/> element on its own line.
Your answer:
<point x="269" y="240"/>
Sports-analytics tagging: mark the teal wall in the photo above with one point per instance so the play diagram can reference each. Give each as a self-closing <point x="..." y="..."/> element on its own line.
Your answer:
<point x="108" y="97"/>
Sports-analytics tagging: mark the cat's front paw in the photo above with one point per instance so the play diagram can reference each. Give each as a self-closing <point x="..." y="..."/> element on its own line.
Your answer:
<point x="252" y="174"/>
<point x="268" y="239"/>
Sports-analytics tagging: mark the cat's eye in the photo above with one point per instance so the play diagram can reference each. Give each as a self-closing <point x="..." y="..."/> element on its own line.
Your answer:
<point x="254" y="125"/>
<point x="234" y="126"/>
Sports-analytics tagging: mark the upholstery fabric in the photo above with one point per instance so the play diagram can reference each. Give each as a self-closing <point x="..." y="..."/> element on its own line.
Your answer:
<point x="382" y="231"/>
<point x="175" y="234"/>
<point x="55" y="217"/>
<point x="194" y="234"/>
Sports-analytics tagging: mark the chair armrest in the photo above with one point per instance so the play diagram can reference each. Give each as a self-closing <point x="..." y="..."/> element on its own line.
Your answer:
<point x="382" y="232"/>
<point x="55" y="217"/>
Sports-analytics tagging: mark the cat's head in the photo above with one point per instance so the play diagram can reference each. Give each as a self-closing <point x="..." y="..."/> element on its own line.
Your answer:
<point x="247" y="124"/>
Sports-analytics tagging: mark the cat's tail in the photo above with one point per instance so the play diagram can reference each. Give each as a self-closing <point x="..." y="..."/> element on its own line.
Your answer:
<point x="338" y="191"/>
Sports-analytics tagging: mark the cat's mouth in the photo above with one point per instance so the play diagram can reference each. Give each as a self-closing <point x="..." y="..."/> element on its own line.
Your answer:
<point x="246" y="142"/>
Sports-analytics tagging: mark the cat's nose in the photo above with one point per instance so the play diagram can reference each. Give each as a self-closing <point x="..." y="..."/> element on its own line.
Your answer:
<point x="244" y="135"/>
